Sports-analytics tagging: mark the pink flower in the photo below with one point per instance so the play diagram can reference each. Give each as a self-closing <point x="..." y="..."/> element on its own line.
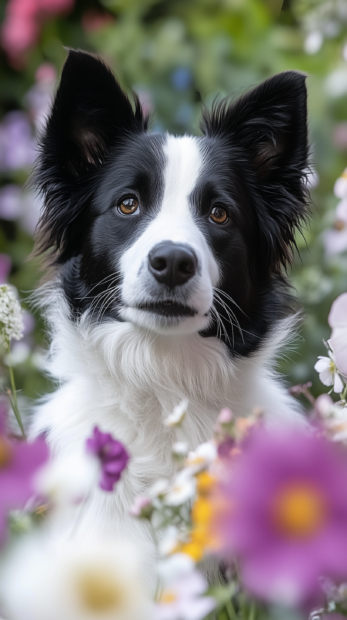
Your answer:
<point x="55" y="7"/>
<point x="142" y="507"/>
<point x="338" y="322"/>
<point x="282" y="509"/>
<point x="19" y="462"/>
<point x="112" y="456"/>
<point x="21" y="30"/>
<point x="92" y="20"/>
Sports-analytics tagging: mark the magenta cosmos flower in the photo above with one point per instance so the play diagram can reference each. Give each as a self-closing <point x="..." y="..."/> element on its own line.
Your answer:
<point x="112" y="456"/>
<point x="282" y="510"/>
<point x="338" y="322"/>
<point x="19" y="462"/>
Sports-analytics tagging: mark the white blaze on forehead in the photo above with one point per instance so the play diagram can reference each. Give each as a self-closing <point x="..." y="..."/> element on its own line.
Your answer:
<point x="183" y="167"/>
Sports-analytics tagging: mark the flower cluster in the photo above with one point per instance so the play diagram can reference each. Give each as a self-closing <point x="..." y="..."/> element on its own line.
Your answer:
<point x="11" y="317"/>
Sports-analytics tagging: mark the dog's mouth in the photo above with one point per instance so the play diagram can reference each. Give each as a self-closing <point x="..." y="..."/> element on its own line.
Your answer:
<point x="167" y="308"/>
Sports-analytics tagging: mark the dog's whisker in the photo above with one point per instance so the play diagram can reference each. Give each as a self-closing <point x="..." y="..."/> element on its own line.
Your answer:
<point x="220" y="326"/>
<point x="230" y="299"/>
<point x="112" y="276"/>
<point x="111" y="295"/>
<point x="231" y="315"/>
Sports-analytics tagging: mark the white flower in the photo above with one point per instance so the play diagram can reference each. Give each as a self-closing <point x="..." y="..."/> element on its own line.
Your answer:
<point x="182" y="489"/>
<point x="313" y="42"/>
<point x="158" y="489"/>
<point x="202" y="457"/>
<point x="181" y="597"/>
<point x="169" y="541"/>
<point x="334" y="417"/>
<point x="326" y="367"/>
<point x="93" y="580"/>
<point x="11" y="316"/>
<point x="178" y="414"/>
<point x="174" y="566"/>
<point x="180" y="449"/>
<point x="340" y="187"/>
<point x="68" y="479"/>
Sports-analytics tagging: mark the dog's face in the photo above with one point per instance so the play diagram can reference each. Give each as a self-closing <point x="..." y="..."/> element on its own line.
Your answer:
<point x="174" y="234"/>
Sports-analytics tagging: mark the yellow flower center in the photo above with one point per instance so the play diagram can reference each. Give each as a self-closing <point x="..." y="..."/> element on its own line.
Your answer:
<point x="299" y="510"/>
<point x="98" y="591"/>
<point x="6" y="453"/>
<point x="167" y="597"/>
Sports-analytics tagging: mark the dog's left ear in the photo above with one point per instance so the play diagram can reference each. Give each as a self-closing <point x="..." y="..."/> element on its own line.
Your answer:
<point x="266" y="132"/>
<point x="90" y="116"/>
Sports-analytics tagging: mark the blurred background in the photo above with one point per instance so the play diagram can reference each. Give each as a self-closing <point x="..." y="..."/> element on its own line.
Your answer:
<point x="175" y="54"/>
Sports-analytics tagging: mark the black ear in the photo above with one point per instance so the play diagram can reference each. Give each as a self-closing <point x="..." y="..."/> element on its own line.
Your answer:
<point x="266" y="131"/>
<point x="90" y="115"/>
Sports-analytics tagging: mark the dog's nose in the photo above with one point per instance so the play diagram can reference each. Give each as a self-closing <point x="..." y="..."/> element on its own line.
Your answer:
<point x="172" y="263"/>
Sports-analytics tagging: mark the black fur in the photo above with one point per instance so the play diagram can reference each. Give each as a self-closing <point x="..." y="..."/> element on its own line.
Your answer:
<point x="95" y="150"/>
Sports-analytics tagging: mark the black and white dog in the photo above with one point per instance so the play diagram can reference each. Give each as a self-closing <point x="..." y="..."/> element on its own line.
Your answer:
<point x="168" y="255"/>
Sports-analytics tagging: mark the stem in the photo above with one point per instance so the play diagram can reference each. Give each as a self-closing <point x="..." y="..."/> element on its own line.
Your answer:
<point x="252" y="612"/>
<point x="15" y="402"/>
<point x="231" y="610"/>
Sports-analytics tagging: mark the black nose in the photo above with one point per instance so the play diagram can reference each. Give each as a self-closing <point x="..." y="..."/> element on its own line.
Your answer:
<point x="172" y="263"/>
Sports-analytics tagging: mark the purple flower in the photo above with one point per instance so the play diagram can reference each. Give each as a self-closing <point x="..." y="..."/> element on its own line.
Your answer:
<point x="19" y="462"/>
<point x="112" y="455"/>
<point x="282" y="509"/>
<point x="17" y="146"/>
<point x="15" y="204"/>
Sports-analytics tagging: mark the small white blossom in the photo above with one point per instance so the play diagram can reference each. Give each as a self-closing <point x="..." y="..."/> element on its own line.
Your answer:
<point x="68" y="479"/>
<point x="328" y="374"/>
<point x="182" y="489"/>
<point x="11" y="316"/>
<point x="180" y="448"/>
<point x="178" y="414"/>
<point x="158" y="489"/>
<point x="169" y="541"/>
<point x="202" y="457"/>
<point x="183" y="589"/>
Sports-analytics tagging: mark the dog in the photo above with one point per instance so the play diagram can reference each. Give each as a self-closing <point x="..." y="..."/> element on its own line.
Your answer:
<point x="168" y="256"/>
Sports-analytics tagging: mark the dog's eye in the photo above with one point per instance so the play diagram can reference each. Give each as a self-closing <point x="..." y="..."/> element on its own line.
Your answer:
<point x="219" y="215"/>
<point x="128" y="206"/>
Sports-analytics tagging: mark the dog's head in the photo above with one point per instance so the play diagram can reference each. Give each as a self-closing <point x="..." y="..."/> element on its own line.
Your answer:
<point x="174" y="234"/>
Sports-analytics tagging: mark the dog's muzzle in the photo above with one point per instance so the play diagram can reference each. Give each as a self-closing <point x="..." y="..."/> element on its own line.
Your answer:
<point x="172" y="263"/>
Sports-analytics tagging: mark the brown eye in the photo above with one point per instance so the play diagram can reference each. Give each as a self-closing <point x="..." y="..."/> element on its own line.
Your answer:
<point x="219" y="215"/>
<point x="128" y="206"/>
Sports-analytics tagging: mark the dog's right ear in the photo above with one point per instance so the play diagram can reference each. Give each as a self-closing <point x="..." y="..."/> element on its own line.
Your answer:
<point x="90" y="115"/>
